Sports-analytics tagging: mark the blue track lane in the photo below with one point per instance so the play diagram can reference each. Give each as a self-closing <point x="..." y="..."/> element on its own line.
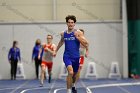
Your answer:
<point x="32" y="86"/>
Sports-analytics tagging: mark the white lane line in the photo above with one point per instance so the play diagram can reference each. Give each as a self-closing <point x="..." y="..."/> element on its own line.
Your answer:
<point x="6" y="89"/>
<point x="19" y="86"/>
<point x="52" y="86"/>
<point x="87" y="89"/>
<point x="55" y="91"/>
<point x="125" y="90"/>
<point x="114" y="85"/>
<point x="23" y="91"/>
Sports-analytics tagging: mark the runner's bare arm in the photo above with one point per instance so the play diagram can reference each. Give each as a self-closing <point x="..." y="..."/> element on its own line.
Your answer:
<point x="79" y="35"/>
<point x="40" y="51"/>
<point x="61" y="42"/>
<point x="49" y="50"/>
<point x="87" y="52"/>
<point x="52" y="51"/>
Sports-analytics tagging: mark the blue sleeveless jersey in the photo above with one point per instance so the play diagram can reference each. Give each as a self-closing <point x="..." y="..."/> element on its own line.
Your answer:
<point x="72" y="45"/>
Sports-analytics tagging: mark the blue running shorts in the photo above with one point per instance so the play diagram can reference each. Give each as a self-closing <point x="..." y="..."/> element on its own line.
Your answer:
<point x="74" y="62"/>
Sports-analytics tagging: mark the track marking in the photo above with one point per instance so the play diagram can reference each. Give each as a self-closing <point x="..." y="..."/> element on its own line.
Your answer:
<point x="52" y="86"/>
<point x="20" y="86"/>
<point x="23" y="91"/>
<point x="87" y="89"/>
<point x="125" y="90"/>
<point x="55" y="91"/>
<point x="113" y="85"/>
<point x="6" y="89"/>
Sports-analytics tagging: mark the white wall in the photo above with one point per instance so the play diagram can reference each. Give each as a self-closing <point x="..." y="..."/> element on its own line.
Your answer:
<point x="44" y="10"/>
<point x="105" y="38"/>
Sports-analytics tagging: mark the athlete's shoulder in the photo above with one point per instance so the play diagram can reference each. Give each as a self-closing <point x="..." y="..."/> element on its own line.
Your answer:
<point x="77" y="32"/>
<point x="62" y="34"/>
<point x="44" y="45"/>
<point x="53" y="45"/>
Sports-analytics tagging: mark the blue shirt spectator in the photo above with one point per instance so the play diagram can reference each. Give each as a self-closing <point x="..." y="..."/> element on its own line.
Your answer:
<point x="36" y="50"/>
<point x="14" y="57"/>
<point x="35" y="54"/>
<point x="14" y="54"/>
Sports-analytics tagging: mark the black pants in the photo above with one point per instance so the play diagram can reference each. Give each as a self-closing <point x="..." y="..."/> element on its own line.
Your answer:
<point x="37" y="64"/>
<point x="13" y="68"/>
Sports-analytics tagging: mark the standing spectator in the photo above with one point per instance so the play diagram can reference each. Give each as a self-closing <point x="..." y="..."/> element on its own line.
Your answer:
<point x="14" y="57"/>
<point x="35" y="53"/>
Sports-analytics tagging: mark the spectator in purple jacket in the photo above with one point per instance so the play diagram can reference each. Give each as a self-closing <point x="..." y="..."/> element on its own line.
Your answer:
<point x="14" y="57"/>
<point x="35" y="54"/>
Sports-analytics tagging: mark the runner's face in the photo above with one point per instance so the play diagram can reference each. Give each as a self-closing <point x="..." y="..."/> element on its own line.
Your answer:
<point x="70" y="24"/>
<point x="49" y="39"/>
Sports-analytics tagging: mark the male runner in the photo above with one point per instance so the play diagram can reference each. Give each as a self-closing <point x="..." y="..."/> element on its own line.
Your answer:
<point x="72" y="39"/>
<point x="47" y="58"/>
